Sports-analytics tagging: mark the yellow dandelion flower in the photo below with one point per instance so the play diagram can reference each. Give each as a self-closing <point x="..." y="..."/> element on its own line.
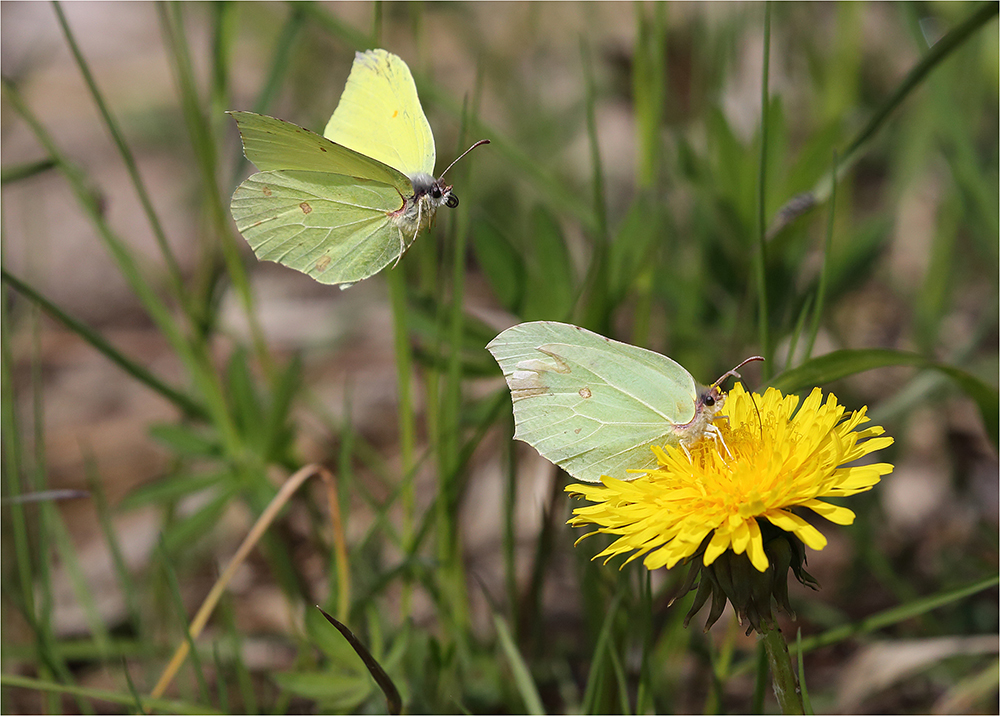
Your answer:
<point x="771" y="459"/>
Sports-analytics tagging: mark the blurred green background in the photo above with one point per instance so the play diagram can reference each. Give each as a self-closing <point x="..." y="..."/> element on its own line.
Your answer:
<point x="149" y="359"/>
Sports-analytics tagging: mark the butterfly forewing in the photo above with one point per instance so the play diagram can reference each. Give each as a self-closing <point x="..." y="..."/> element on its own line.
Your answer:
<point x="332" y="227"/>
<point x="379" y="115"/>
<point x="274" y="144"/>
<point x="589" y="404"/>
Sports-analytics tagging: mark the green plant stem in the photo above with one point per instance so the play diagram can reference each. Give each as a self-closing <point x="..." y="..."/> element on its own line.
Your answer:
<point x="407" y="423"/>
<point x="786" y="685"/>
<point x="184" y="402"/>
<point x="176" y="277"/>
<point x="761" y="263"/>
<point x="824" y="268"/>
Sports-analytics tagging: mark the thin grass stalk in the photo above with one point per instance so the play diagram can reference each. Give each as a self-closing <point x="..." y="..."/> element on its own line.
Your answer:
<point x="183" y="402"/>
<point x="800" y="205"/>
<point x="800" y="665"/>
<point x="253" y="536"/>
<point x="174" y="275"/>
<point x="91" y="205"/>
<point x="800" y="323"/>
<point x="597" y="171"/>
<point x="521" y="672"/>
<point x="36" y="483"/>
<point x="203" y="142"/>
<point x="82" y="693"/>
<point x="178" y="603"/>
<point x="224" y="27"/>
<point x="341" y="558"/>
<point x="70" y="562"/>
<point x="649" y="87"/>
<point x="396" y="279"/>
<point x="194" y="357"/>
<point x="509" y="462"/>
<point x="244" y="680"/>
<point x="760" y="263"/>
<point x="14" y="465"/>
<point x="127" y="585"/>
<point x="824" y="270"/>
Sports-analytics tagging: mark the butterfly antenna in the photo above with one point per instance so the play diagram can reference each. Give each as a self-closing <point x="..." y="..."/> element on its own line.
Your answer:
<point x="760" y="421"/>
<point x="481" y="141"/>
<point x="733" y="372"/>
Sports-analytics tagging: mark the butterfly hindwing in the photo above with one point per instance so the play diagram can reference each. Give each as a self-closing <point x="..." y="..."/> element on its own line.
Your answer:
<point x="589" y="404"/>
<point x="379" y="115"/>
<point x="332" y="227"/>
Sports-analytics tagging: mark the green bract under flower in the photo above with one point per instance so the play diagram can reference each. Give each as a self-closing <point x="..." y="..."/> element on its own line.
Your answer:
<point x="772" y="461"/>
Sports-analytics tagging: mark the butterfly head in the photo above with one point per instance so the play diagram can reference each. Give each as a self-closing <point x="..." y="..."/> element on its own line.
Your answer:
<point x="433" y="192"/>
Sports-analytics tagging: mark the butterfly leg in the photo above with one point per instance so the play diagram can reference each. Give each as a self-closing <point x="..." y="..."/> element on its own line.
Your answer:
<point x="716" y="435"/>
<point x="402" y="248"/>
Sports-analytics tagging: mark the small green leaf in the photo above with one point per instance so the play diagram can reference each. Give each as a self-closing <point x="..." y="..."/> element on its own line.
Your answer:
<point x="326" y="685"/>
<point x="185" y="440"/>
<point x="190" y="529"/>
<point x="167" y="489"/>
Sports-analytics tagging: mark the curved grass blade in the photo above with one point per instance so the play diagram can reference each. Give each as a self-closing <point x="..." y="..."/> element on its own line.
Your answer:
<point x="843" y="363"/>
<point x="394" y="702"/>
<point x="169" y="706"/>
<point x="802" y="203"/>
<point x="184" y="402"/>
<point x="25" y="170"/>
<point x="522" y="674"/>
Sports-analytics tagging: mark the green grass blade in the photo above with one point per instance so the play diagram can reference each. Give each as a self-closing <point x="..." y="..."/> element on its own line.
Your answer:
<point x="183" y="402"/>
<point x="91" y="204"/>
<point x="594" y="694"/>
<point x="25" y="170"/>
<point x="597" y="177"/>
<point x="85" y="597"/>
<point x="174" y="274"/>
<point x="760" y="257"/>
<point x="206" y="154"/>
<point x="843" y="363"/>
<point x="896" y="615"/>
<point x="799" y="205"/>
<point x="823" y="270"/>
<point x="806" y="704"/>
<point x="114" y="697"/>
<point x="522" y="674"/>
<point x="127" y="585"/>
<point x="175" y="593"/>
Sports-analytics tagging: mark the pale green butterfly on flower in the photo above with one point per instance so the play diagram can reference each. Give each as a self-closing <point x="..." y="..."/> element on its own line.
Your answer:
<point x="343" y="206"/>
<point x="594" y="406"/>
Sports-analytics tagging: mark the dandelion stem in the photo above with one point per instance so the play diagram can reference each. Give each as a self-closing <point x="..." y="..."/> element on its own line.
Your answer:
<point x="786" y="684"/>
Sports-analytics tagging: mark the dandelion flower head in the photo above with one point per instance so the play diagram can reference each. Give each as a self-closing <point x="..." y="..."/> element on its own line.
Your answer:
<point x="771" y="459"/>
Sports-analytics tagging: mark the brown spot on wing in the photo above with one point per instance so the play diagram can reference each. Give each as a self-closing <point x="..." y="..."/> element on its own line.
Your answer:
<point x="585" y="392"/>
<point x="305" y="207"/>
<point x="266" y="191"/>
<point x="323" y="262"/>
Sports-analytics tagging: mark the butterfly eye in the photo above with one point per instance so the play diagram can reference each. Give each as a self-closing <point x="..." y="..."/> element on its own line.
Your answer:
<point x="710" y="400"/>
<point x="452" y="201"/>
<point x="436" y="191"/>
